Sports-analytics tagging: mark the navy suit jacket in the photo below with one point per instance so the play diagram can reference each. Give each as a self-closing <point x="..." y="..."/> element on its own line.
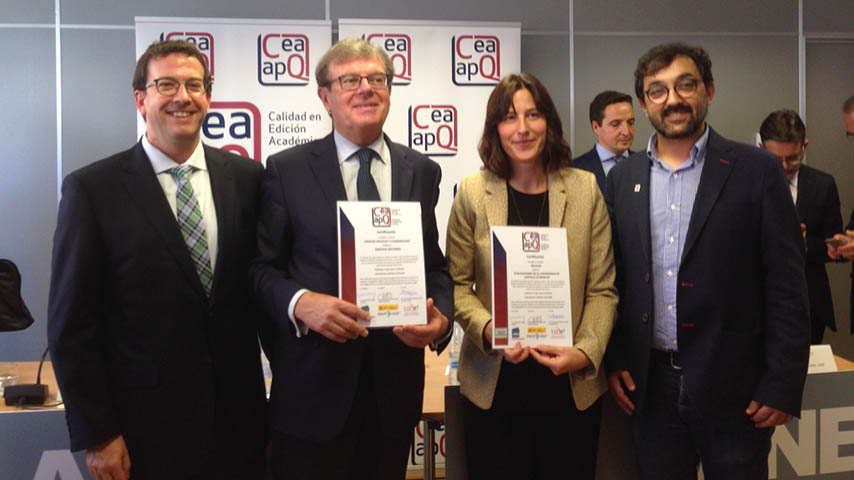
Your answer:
<point x="137" y="346"/>
<point x="315" y="379"/>
<point x="743" y="321"/>
<point x="591" y="162"/>
<point x="818" y="208"/>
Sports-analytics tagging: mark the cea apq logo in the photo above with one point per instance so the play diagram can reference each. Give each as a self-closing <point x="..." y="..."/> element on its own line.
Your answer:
<point x="381" y="216"/>
<point x="476" y="60"/>
<point x="234" y="127"/>
<point x="530" y="242"/>
<point x="283" y="59"/>
<point x="398" y="46"/>
<point x="433" y="129"/>
<point x="204" y="41"/>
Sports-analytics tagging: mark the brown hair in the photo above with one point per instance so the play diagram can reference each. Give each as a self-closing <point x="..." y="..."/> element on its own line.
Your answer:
<point x="661" y="56"/>
<point x="783" y="126"/>
<point x="160" y="49"/>
<point x="556" y="152"/>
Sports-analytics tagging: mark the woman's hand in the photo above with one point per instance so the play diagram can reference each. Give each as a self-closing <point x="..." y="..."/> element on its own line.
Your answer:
<point x="560" y="360"/>
<point x="513" y="355"/>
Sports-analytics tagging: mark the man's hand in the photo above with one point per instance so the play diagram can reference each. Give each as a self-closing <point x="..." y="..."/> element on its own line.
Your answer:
<point x="419" y="336"/>
<point x="846" y="249"/>
<point x="804" y="231"/>
<point x="331" y="317"/>
<point x="618" y="382"/>
<point x="764" y="416"/>
<point x="109" y="460"/>
<point x="560" y="359"/>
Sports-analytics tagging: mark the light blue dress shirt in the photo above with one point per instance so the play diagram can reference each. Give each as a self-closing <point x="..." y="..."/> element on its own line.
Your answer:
<point x="607" y="157"/>
<point x="671" y="201"/>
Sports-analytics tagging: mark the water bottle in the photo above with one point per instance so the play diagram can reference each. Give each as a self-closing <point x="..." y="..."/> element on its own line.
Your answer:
<point x="454" y="354"/>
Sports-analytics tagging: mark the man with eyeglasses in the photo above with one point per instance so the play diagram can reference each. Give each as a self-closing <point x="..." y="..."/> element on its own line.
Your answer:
<point x="344" y="401"/>
<point x="151" y="324"/>
<point x="817" y="201"/>
<point x="711" y="345"/>
<point x="842" y="246"/>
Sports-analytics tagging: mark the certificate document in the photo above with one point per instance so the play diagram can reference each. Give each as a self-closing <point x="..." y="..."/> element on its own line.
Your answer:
<point x="530" y="287"/>
<point x="381" y="261"/>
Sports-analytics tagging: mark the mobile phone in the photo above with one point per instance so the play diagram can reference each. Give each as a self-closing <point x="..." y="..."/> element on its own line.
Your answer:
<point x="837" y="242"/>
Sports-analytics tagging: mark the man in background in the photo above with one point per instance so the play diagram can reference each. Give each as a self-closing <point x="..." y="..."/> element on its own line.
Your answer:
<point x="843" y="247"/>
<point x="817" y="201"/>
<point x="151" y="324"/>
<point x="613" y="121"/>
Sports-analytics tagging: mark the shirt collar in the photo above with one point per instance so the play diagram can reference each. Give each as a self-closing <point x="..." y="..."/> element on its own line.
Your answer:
<point x="794" y="180"/>
<point x="605" y="154"/>
<point x="698" y="151"/>
<point x="346" y="149"/>
<point x="162" y="163"/>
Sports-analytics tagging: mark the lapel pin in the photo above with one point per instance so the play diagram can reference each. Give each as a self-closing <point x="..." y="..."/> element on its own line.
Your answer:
<point x="637" y="187"/>
<point x="724" y="161"/>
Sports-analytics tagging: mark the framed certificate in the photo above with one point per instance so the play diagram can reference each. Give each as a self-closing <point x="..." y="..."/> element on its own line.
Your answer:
<point x="381" y="261"/>
<point x="530" y="287"/>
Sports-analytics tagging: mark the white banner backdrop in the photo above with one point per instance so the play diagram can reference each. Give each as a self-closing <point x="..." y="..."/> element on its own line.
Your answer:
<point x="264" y="96"/>
<point x="444" y="73"/>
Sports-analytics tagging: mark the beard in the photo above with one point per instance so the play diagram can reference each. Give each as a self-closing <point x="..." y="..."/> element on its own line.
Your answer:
<point x="685" y="130"/>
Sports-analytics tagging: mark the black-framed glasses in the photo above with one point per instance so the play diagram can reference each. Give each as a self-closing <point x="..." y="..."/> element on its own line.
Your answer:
<point x="685" y="88"/>
<point x="169" y="86"/>
<point x="351" y="81"/>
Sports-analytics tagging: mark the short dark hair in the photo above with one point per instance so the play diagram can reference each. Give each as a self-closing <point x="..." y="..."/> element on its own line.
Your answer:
<point x="783" y="126"/>
<point x="601" y="101"/>
<point x="848" y="105"/>
<point x="160" y="49"/>
<point x="660" y="56"/>
<point x="556" y="152"/>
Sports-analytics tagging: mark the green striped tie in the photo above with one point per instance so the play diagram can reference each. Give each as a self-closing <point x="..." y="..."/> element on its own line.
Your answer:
<point x="192" y="225"/>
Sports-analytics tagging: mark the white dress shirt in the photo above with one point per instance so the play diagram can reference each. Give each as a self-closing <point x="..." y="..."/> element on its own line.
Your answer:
<point x="201" y="182"/>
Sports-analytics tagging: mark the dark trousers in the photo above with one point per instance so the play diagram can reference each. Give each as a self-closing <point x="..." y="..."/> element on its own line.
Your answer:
<point x="531" y="445"/>
<point x="671" y="437"/>
<point x="362" y="450"/>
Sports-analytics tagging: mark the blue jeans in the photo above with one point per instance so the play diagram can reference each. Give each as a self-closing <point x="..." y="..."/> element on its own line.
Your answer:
<point x="671" y="436"/>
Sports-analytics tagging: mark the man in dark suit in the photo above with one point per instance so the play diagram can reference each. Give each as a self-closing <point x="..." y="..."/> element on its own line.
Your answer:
<point x="844" y="249"/>
<point x="344" y="402"/>
<point x="613" y="121"/>
<point x="817" y="201"/>
<point x="711" y="345"/>
<point x="151" y="325"/>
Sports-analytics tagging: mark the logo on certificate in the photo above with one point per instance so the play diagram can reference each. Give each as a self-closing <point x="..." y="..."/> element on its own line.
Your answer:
<point x="514" y="332"/>
<point x="530" y="242"/>
<point x="381" y="216"/>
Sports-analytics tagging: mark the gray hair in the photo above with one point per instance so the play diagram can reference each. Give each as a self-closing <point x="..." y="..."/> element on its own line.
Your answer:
<point x="349" y="49"/>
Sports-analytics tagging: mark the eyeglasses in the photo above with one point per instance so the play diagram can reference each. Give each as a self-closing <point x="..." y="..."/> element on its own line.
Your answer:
<point x="686" y="88"/>
<point x="793" y="159"/>
<point x="169" y="86"/>
<point x="351" y="81"/>
<point x="849" y="136"/>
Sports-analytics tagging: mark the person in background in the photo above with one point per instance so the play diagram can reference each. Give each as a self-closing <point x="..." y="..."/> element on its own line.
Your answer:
<point x="842" y="248"/>
<point x="613" y="121"/>
<point x="530" y="412"/>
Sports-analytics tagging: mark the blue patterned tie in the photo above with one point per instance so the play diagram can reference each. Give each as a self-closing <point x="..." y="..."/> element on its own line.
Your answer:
<point x="192" y="224"/>
<point x="365" y="185"/>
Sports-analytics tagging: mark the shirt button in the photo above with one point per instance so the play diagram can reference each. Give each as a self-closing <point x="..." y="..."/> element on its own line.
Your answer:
<point x="670" y="240"/>
<point x="675" y="175"/>
<point x="673" y="206"/>
<point x="670" y="273"/>
<point x="670" y="308"/>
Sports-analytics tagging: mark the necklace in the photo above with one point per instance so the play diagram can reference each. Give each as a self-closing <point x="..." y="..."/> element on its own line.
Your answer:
<point x="516" y="206"/>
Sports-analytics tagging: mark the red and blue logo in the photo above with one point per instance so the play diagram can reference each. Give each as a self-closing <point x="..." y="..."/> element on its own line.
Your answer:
<point x="476" y="60"/>
<point x="398" y="46"/>
<point x="433" y="129"/>
<point x="234" y="127"/>
<point x="283" y="59"/>
<point x="204" y="41"/>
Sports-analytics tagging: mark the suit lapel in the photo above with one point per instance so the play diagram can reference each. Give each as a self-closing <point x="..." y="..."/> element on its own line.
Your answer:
<point x="224" y="195"/>
<point x="496" y="201"/>
<point x="640" y="188"/>
<point x="805" y="188"/>
<point x="557" y="199"/>
<point x="143" y="187"/>
<point x="716" y="169"/>
<point x="327" y="172"/>
<point x="402" y="173"/>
